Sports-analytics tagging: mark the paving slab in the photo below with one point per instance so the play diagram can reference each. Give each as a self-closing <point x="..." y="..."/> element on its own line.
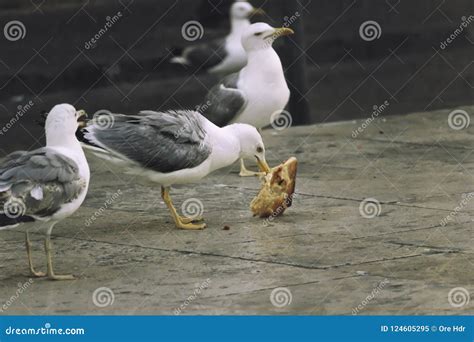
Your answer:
<point x="328" y="254"/>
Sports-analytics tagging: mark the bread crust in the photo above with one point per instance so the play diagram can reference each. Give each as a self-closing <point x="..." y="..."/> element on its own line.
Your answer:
<point x="276" y="193"/>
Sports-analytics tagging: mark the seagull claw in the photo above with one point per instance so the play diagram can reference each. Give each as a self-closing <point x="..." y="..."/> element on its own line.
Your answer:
<point x="61" y="277"/>
<point x="190" y="226"/>
<point x="185" y="219"/>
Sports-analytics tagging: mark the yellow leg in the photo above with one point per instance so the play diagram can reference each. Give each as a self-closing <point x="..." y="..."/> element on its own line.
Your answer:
<point x="180" y="222"/>
<point x="47" y="249"/>
<point x="30" y="258"/>
<point x="247" y="173"/>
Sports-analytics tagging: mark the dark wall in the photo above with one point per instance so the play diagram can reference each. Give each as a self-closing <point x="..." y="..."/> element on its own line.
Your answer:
<point x="127" y="70"/>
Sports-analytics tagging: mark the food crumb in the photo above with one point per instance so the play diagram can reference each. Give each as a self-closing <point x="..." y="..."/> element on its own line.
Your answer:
<point x="226" y="228"/>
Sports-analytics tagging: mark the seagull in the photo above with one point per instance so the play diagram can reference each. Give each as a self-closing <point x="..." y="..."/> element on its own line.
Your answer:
<point x="42" y="187"/>
<point x="226" y="55"/>
<point x="255" y="93"/>
<point x="171" y="147"/>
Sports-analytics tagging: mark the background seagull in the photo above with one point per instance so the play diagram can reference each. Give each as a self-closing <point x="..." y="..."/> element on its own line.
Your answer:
<point x="172" y="147"/>
<point x="42" y="187"/>
<point x="226" y="55"/>
<point x="257" y="91"/>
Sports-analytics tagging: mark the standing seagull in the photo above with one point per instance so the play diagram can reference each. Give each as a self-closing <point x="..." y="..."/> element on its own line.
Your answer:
<point x="258" y="91"/>
<point x="226" y="55"/>
<point x="42" y="187"/>
<point x="172" y="147"/>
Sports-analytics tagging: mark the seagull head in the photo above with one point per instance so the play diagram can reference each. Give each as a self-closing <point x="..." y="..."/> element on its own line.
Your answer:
<point x="251" y="145"/>
<point x="261" y="35"/>
<point x="63" y="121"/>
<point x="243" y="10"/>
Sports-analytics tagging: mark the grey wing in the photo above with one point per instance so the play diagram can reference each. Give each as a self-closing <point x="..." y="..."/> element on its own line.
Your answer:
<point x="224" y="101"/>
<point x="161" y="141"/>
<point x="206" y="55"/>
<point x="36" y="184"/>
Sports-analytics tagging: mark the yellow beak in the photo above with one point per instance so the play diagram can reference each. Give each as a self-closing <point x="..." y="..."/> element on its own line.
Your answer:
<point x="82" y="118"/>
<point x="283" y="31"/>
<point x="263" y="166"/>
<point x="257" y="11"/>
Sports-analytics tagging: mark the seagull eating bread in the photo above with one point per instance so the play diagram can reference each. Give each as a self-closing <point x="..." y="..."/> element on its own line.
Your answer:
<point x="40" y="188"/>
<point x="258" y="91"/>
<point x="276" y="194"/>
<point x="171" y="147"/>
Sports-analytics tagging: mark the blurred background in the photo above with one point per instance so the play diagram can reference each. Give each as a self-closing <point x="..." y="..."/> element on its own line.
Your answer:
<point x="419" y="59"/>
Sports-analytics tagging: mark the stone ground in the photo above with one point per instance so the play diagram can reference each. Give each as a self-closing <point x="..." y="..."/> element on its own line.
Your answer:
<point x="328" y="257"/>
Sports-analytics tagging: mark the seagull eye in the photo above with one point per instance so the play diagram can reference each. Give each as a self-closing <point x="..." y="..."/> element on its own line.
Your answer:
<point x="258" y="34"/>
<point x="259" y="149"/>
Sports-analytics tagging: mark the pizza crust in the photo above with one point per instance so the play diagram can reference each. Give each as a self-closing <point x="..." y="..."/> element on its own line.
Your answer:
<point x="277" y="190"/>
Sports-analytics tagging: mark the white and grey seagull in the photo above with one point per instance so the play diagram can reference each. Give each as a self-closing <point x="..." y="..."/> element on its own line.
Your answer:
<point x="171" y="147"/>
<point x="226" y="55"/>
<point x="42" y="187"/>
<point x="255" y="93"/>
